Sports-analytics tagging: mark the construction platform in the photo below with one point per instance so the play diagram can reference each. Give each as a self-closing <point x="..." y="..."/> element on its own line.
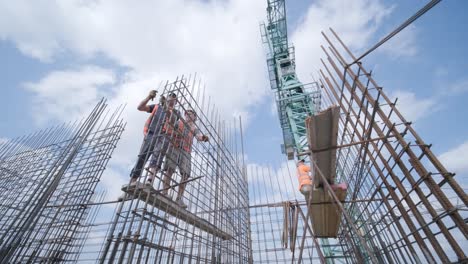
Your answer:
<point x="322" y="132"/>
<point x="324" y="214"/>
<point x="154" y="198"/>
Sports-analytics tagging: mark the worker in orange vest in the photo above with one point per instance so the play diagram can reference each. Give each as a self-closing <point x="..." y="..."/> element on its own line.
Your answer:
<point x="305" y="179"/>
<point x="179" y="155"/>
<point x="162" y="118"/>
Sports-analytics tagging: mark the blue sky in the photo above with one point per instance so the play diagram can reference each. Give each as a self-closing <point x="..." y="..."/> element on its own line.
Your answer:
<point x="57" y="59"/>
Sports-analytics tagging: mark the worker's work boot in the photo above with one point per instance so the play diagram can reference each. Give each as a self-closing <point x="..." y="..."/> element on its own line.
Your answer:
<point x="133" y="182"/>
<point x="123" y="197"/>
<point x="181" y="203"/>
<point x="149" y="184"/>
<point x="136" y="183"/>
<point x="151" y="174"/>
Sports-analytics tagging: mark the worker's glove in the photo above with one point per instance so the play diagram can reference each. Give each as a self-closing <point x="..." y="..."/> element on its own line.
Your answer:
<point x="152" y="94"/>
<point x="204" y="138"/>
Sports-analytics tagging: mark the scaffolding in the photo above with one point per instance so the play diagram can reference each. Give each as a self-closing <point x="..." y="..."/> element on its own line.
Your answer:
<point x="151" y="226"/>
<point x="46" y="179"/>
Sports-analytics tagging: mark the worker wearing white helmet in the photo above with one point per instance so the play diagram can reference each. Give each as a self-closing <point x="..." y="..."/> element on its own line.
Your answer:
<point x="305" y="179"/>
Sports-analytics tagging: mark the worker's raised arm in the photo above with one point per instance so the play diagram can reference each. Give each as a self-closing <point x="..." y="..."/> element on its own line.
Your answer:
<point x="201" y="137"/>
<point x="143" y="106"/>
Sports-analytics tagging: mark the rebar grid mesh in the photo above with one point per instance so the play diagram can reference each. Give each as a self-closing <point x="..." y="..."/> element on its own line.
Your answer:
<point x="45" y="179"/>
<point x="144" y="230"/>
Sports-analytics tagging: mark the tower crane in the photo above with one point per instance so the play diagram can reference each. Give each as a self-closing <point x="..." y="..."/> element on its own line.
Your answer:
<point x="295" y="101"/>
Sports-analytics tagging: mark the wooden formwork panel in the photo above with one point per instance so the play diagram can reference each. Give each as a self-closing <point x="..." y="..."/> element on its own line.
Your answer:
<point x="322" y="133"/>
<point x="325" y="215"/>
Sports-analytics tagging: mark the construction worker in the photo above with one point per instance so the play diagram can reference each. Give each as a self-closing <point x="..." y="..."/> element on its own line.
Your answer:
<point x="155" y="144"/>
<point x="305" y="179"/>
<point x="179" y="155"/>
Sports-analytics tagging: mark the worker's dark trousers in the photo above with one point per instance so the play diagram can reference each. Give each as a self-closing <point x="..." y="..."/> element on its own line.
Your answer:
<point x="154" y="147"/>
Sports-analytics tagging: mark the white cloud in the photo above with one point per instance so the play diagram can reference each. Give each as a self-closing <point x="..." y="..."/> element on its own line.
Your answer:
<point x="66" y="95"/>
<point x="354" y="21"/>
<point x="448" y="85"/>
<point x="456" y="159"/>
<point x="413" y="108"/>
<point x="219" y="40"/>
<point x="271" y="185"/>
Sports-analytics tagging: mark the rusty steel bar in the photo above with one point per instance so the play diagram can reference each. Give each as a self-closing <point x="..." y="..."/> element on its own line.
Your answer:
<point x="400" y="187"/>
<point x="386" y="202"/>
<point x="410" y="20"/>
<point x="400" y="228"/>
<point x="429" y="182"/>
<point x="414" y="161"/>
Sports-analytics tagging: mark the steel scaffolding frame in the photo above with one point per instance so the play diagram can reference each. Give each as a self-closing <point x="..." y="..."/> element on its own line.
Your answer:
<point x="45" y="178"/>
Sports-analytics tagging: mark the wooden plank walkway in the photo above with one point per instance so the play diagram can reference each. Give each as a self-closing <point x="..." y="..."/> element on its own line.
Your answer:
<point x="145" y="193"/>
<point x="322" y="132"/>
<point x="325" y="217"/>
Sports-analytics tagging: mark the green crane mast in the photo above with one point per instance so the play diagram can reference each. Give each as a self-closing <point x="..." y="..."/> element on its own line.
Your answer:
<point x="295" y="101"/>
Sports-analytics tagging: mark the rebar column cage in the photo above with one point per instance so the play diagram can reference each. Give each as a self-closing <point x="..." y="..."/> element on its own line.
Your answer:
<point x="214" y="228"/>
<point x="45" y="178"/>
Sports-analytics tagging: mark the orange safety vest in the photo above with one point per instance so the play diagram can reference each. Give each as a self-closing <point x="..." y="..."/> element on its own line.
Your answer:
<point x="186" y="140"/>
<point x="169" y="124"/>
<point x="303" y="175"/>
<point x="167" y="128"/>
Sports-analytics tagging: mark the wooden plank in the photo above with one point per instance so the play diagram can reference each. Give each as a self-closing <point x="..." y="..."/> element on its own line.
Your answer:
<point x="325" y="217"/>
<point x="322" y="133"/>
<point x="145" y="193"/>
